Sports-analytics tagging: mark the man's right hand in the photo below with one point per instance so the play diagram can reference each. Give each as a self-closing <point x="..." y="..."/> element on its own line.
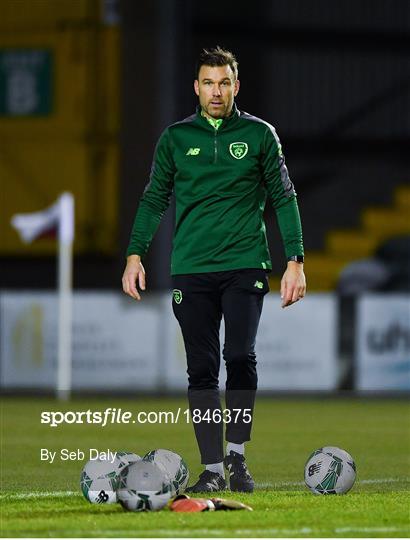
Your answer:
<point x="134" y="272"/>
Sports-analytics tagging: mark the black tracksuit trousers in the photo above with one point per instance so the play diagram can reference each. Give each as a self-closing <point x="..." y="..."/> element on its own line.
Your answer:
<point x="199" y="302"/>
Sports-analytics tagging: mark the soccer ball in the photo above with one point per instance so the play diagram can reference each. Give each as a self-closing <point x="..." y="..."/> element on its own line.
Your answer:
<point x="329" y="471"/>
<point x="143" y="486"/>
<point x="173" y="465"/>
<point x="99" y="480"/>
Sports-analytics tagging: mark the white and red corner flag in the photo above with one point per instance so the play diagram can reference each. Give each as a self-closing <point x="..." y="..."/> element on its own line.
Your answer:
<point x="56" y="218"/>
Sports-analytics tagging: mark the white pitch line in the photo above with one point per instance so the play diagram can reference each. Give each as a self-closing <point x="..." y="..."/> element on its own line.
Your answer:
<point x="341" y="530"/>
<point x="384" y="480"/>
<point x="210" y="532"/>
<point x="39" y="495"/>
<point x="138" y="533"/>
<point x="309" y="530"/>
<point x="46" y="494"/>
<point x="368" y="481"/>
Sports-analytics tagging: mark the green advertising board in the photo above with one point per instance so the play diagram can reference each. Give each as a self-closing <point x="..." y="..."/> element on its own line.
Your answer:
<point x="25" y="82"/>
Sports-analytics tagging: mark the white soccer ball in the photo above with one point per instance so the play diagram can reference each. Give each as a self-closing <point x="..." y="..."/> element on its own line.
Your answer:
<point x="143" y="486"/>
<point x="174" y="465"/>
<point x="330" y="471"/>
<point x="99" y="480"/>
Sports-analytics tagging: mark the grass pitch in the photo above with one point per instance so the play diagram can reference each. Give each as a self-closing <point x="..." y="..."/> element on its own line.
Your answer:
<point x="43" y="499"/>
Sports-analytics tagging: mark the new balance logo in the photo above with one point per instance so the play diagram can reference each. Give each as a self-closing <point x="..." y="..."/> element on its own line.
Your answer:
<point x="258" y="284"/>
<point x="193" y="152"/>
<point x="315" y="468"/>
<point x="102" y="497"/>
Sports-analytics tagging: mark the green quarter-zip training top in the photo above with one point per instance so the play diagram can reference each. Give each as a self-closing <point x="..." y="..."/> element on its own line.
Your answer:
<point x="221" y="174"/>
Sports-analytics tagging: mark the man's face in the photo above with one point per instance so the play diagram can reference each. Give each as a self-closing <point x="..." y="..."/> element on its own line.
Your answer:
<point x="216" y="88"/>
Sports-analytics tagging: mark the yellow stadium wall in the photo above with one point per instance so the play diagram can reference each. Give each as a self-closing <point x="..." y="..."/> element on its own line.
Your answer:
<point x="75" y="147"/>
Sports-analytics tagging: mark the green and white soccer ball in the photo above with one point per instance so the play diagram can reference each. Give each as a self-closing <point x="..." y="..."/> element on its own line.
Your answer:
<point x="330" y="471"/>
<point x="174" y="465"/>
<point x="100" y="478"/>
<point x="143" y="486"/>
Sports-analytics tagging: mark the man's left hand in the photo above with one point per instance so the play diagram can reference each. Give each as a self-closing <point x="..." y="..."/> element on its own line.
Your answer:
<point x="293" y="284"/>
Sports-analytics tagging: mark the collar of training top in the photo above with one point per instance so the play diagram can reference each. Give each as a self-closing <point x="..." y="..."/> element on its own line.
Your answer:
<point x="226" y="121"/>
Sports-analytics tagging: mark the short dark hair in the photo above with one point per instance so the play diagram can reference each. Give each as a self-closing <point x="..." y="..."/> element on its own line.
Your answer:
<point x="217" y="57"/>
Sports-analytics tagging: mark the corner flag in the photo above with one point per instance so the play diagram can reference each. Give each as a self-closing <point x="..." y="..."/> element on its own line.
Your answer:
<point x="57" y="218"/>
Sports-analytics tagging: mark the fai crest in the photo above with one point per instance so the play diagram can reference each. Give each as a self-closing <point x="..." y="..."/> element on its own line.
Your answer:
<point x="238" y="150"/>
<point x="177" y="294"/>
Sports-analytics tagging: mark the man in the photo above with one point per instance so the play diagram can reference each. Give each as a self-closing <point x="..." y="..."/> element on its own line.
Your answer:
<point x="221" y="164"/>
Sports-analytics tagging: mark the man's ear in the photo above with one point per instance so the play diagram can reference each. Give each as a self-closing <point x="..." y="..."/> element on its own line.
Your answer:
<point x="236" y="89"/>
<point x="196" y="87"/>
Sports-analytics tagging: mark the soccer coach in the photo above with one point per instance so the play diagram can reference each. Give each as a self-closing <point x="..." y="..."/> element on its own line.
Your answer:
<point x="221" y="164"/>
